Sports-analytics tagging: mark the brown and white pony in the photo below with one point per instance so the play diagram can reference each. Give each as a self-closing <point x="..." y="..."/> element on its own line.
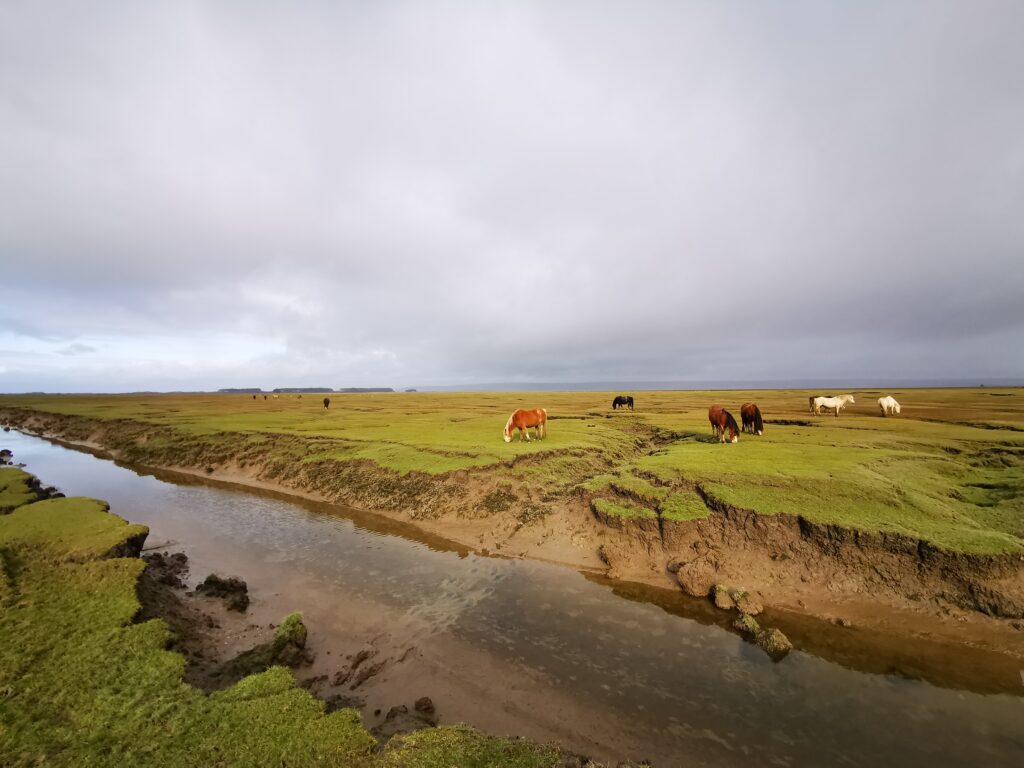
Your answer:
<point x="750" y="415"/>
<point x="523" y="419"/>
<point x="721" y="420"/>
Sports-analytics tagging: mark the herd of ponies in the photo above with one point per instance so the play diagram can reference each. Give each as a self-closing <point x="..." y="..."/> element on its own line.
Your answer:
<point x="722" y="422"/>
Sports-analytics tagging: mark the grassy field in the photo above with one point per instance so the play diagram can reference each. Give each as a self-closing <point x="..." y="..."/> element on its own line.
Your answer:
<point x="81" y="684"/>
<point x="950" y="469"/>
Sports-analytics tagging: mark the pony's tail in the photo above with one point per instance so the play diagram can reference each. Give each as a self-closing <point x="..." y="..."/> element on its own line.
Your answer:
<point x="758" y="423"/>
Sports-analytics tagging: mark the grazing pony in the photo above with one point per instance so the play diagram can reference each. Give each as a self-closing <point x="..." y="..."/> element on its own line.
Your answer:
<point x="888" y="405"/>
<point x="721" y="420"/>
<point x="750" y="415"/>
<point x="327" y="403"/>
<point x="831" y="403"/>
<point x="523" y="419"/>
<point x="622" y="401"/>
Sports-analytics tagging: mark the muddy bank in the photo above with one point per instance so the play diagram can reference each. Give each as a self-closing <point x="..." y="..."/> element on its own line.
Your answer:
<point x="875" y="580"/>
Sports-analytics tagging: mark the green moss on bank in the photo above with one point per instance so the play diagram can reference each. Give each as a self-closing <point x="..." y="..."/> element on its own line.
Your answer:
<point x="623" y="509"/>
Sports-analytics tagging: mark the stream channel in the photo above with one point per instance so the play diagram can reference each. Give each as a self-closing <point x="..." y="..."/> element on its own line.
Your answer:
<point x="610" y="670"/>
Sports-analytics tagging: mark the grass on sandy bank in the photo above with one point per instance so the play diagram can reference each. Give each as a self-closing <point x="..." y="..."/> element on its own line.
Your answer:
<point x="15" y="489"/>
<point x="81" y="684"/>
<point x="949" y="470"/>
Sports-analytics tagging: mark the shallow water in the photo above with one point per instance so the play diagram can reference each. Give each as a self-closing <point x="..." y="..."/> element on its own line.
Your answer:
<point x="527" y="648"/>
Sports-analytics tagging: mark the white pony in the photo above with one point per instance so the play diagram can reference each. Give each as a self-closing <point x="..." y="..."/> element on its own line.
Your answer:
<point x="888" y="405"/>
<point x="831" y="403"/>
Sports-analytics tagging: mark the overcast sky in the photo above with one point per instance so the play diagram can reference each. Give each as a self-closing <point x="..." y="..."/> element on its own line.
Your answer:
<point x="204" y="195"/>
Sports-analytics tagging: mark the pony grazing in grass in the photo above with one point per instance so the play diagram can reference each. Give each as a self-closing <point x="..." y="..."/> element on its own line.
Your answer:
<point x="722" y="420"/>
<point x="622" y="401"/>
<point x="888" y="405"/>
<point x="523" y="419"/>
<point x="327" y="403"/>
<point x="831" y="403"/>
<point x="750" y="415"/>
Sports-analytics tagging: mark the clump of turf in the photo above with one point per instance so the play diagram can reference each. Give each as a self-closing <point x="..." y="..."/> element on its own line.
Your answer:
<point x="463" y="747"/>
<point x="16" y="488"/>
<point x="232" y="590"/>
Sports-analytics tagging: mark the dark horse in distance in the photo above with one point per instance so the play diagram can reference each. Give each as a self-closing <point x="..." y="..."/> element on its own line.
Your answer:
<point x="750" y="415"/>
<point x="327" y="402"/>
<point x="622" y="401"/>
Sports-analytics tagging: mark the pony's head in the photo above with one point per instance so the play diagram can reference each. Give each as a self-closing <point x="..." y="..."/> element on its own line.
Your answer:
<point x="896" y="406"/>
<point x="734" y="431"/>
<point x="508" y="429"/>
<point x="758" y="422"/>
<point x="848" y="399"/>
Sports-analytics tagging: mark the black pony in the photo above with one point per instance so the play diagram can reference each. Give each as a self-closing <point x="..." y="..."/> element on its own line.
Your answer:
<point x="752" y="421"/>
<point x="327" y="403"/>
<point x="622" y="401"/>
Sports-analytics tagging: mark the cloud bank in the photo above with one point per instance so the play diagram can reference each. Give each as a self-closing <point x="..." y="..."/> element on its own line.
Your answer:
<point x="206" y="195"/>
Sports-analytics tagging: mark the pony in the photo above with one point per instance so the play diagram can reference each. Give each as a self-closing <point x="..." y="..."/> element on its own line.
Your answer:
<point x="523" y="419"/>
<point x="888" y="405"/>
<point x="721" y="420"/>
<point x="750" y="414"/>
<point x="833" y="403"/>
<point x="623" y="401"/>
<point x="327" y="403"/>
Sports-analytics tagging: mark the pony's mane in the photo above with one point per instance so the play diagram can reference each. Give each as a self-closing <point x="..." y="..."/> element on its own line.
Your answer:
<point x="730" y="422"/>
<point x="508" y="424"/>
<point x="758" y="422"/>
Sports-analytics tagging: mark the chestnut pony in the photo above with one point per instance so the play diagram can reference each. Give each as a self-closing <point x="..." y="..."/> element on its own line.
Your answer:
<point x="721" y="420"/>
<point x="523" y="419"/>
<point x="750" y="415"/>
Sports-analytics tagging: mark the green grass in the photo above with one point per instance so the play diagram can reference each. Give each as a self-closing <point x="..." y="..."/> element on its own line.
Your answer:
<point x="680" y="507"/>
<point x="463" y="747"/>
<point x="950" y="469"/>
<point x="14" y="488"/>
<point x="624" y="509"/>
<point x="81" y="684"/>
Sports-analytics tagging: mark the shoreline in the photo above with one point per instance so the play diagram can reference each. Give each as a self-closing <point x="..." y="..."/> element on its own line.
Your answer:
<point x="938" y="624"/>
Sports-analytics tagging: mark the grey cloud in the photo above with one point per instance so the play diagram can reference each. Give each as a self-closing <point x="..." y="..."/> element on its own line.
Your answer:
<point x="455" y="192"/>
<point x="76" y="349"/>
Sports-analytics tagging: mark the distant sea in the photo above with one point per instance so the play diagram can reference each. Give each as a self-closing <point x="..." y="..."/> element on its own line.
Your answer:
<point x="640" y="386"/>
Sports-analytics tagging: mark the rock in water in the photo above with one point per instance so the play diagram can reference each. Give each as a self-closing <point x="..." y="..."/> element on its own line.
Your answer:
<point x="747" y="624"/>
<point x="746" y="603"/>
<point x="721" y="598"/>
<point x="774" y="643"/>
<point x="233" y="590"/>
